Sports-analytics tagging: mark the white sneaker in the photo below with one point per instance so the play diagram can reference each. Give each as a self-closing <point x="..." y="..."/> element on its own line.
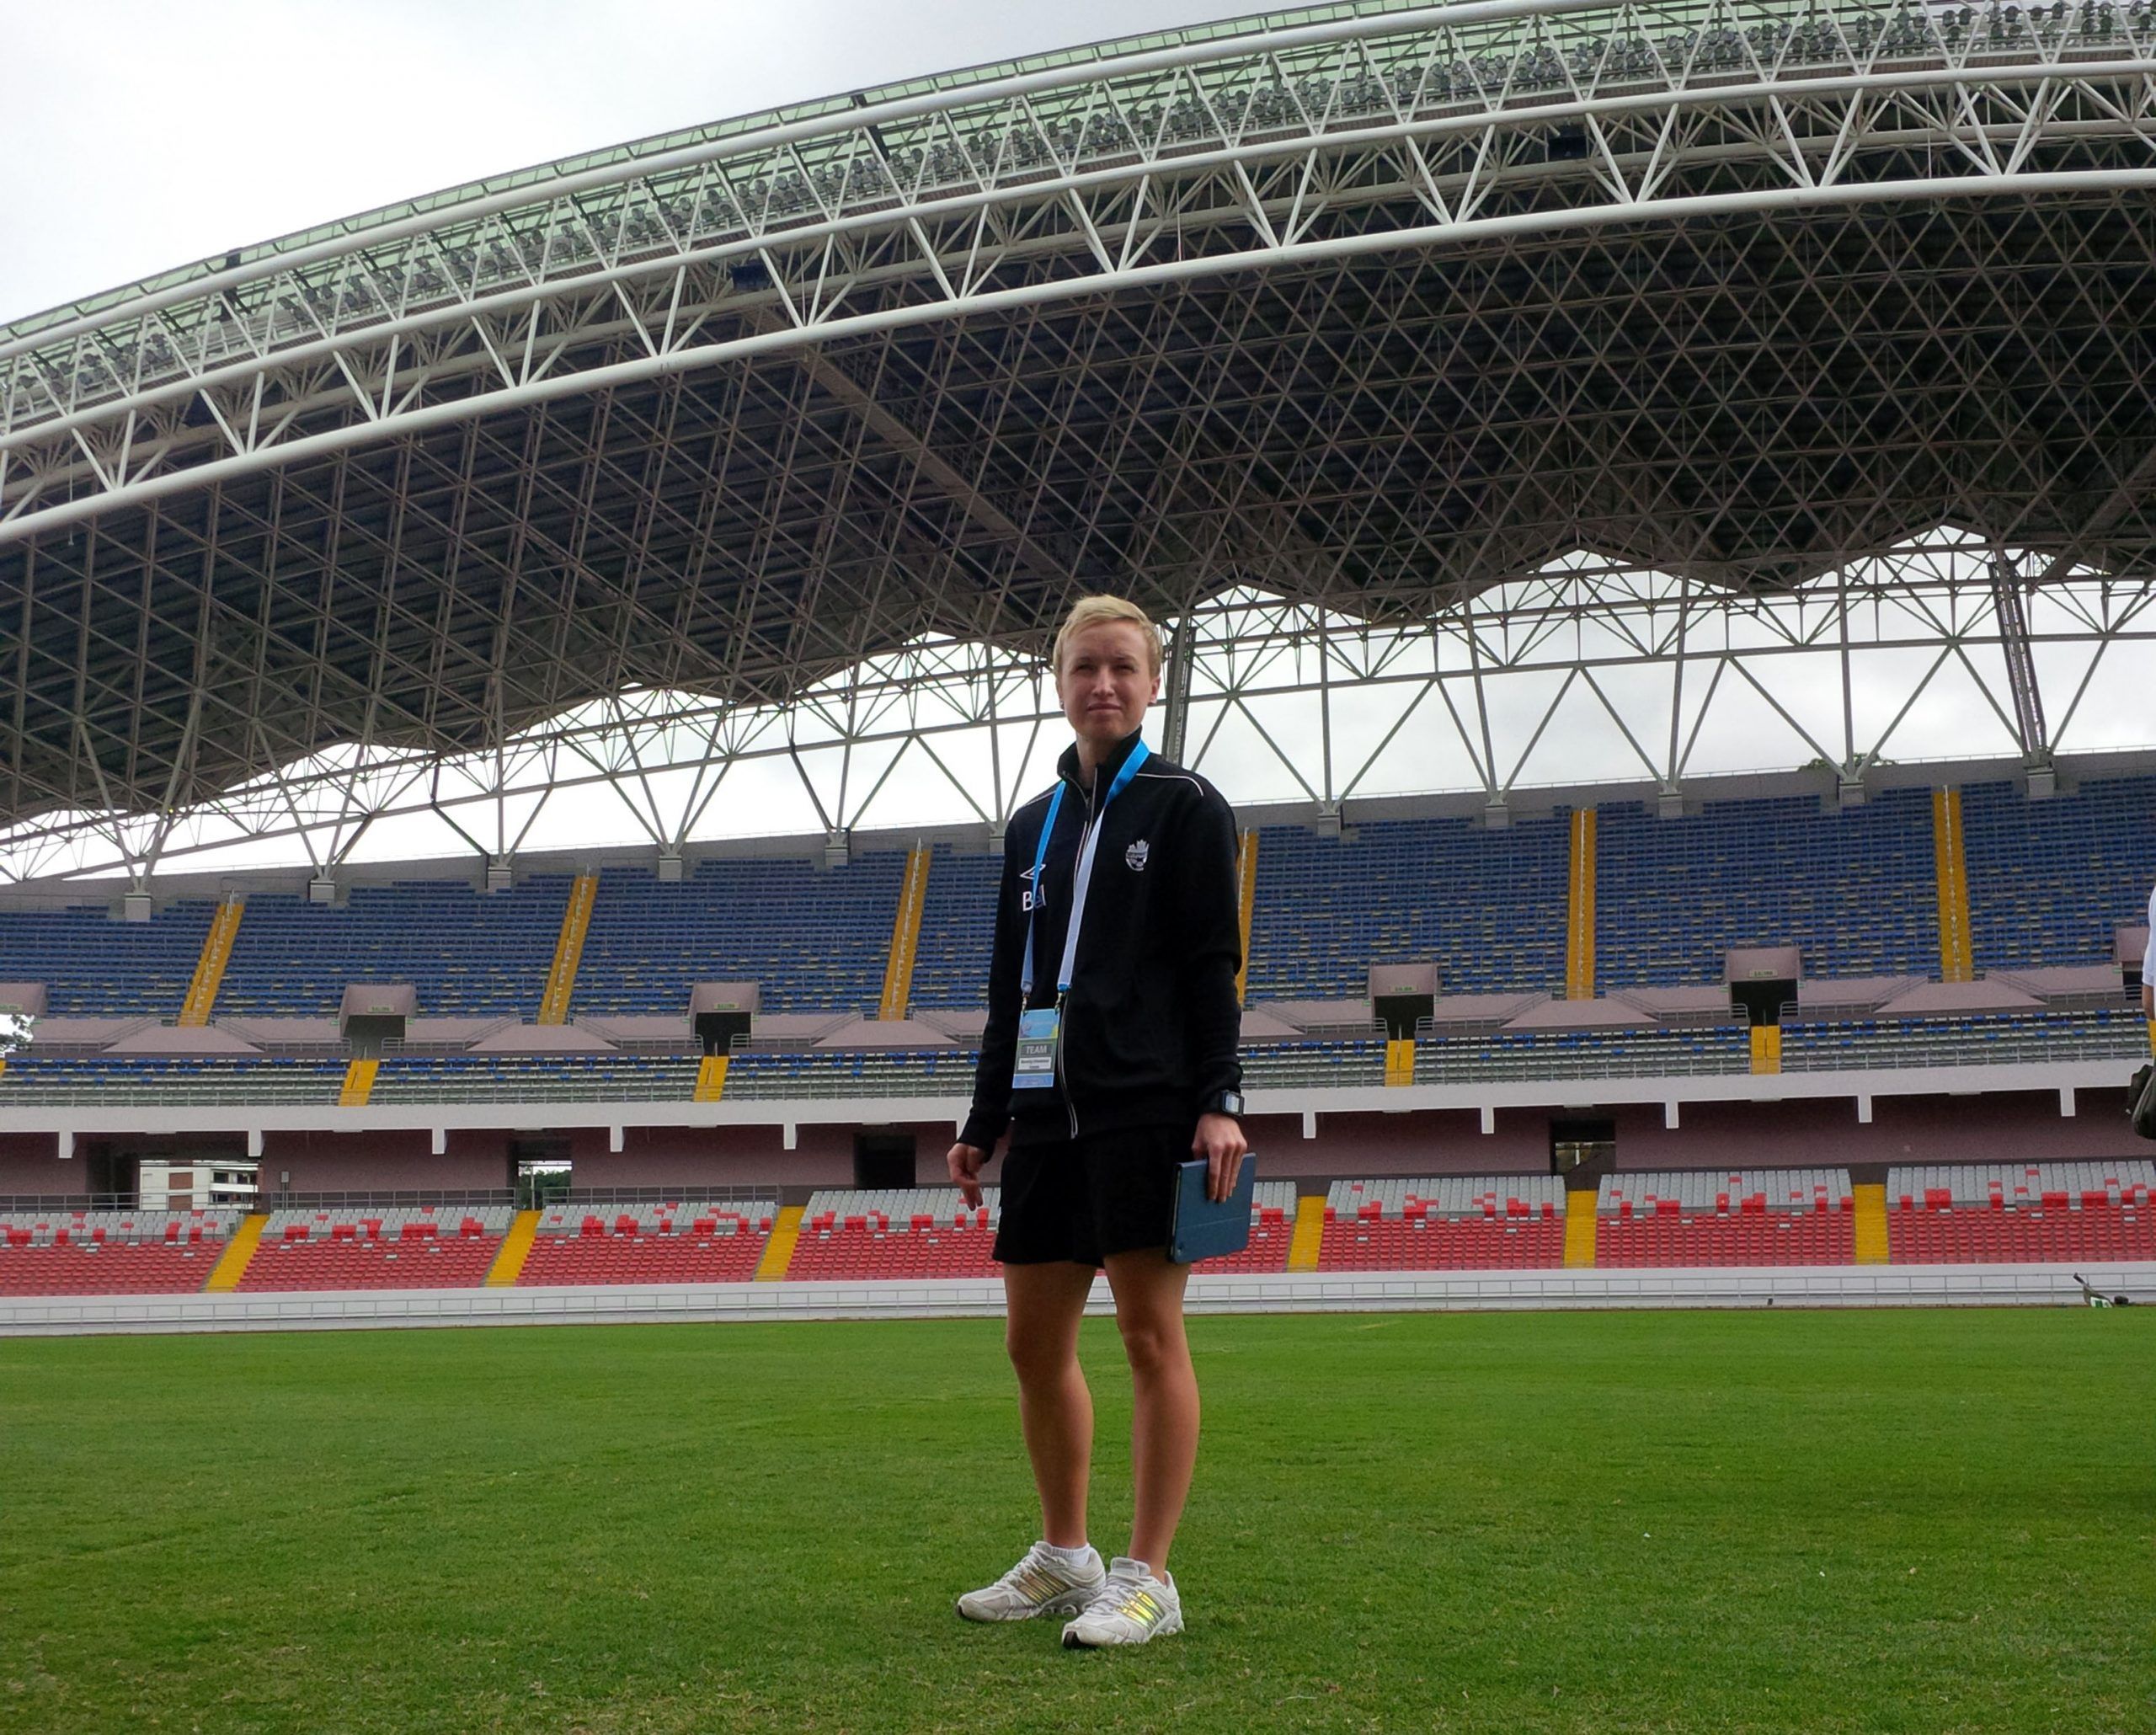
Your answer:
<point x="1039" y="1584"/>
<point x="1132" y="1607"/>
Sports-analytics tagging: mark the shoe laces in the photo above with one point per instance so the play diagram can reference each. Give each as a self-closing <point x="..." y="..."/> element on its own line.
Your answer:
<point x="1023" y="1577"/>
<point x="1123" y="1589"/>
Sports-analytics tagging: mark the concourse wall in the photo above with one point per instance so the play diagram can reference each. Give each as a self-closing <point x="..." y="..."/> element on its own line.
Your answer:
<point x="683" y="1156"/>
<point x="1350" y="1143"/>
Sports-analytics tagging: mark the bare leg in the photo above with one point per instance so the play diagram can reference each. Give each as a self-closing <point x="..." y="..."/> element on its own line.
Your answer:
<point x="1055" y="1409"/>
<point x="1164" y="1397"/>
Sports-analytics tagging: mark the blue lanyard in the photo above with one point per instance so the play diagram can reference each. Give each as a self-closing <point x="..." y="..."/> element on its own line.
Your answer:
<point x="1079" y="881"/>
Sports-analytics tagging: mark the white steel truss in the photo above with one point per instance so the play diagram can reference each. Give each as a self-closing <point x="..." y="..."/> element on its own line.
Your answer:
<point x="1586" y="670"/>
<point x="1378" y="310"/>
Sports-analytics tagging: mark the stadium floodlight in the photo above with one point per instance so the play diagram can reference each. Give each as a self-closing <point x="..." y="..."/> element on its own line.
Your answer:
<point x="1394" y="322"/>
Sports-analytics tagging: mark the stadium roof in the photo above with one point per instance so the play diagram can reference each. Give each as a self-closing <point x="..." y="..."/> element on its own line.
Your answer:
<point x="1372" y="308"/>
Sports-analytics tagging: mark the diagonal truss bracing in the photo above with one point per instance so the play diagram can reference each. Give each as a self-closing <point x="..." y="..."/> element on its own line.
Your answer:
<point x="1586" y="668"/>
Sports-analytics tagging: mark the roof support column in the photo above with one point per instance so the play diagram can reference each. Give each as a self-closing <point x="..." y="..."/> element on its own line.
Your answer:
<point x="2012" y="618"/>
<point x="1175" y="725"/>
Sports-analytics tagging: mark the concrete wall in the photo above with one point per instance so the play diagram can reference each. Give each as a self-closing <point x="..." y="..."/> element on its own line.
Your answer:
<point x="1999" y="1127"/>
<point x="30" y="1165"/>
<point x="1443" y="1142"/>
<point x="382" y="1163"/>
<point x="649" y="1156"/>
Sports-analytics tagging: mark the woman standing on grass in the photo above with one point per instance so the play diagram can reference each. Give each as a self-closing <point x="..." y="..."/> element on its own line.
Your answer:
<point x="1110" y="1051"/>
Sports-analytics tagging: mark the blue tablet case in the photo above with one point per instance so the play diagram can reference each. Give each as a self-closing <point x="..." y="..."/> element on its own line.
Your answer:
<point x="1202" y="1229"/>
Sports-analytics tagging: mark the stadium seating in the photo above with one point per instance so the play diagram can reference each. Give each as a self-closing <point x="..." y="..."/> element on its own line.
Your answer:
<point x="1714" y="1217"/>
<point x="516" y="1078"/>
<point x="918" y="1232"/>
<point x="957" y="928"/>
<point x="95" y="967"/>
<point x="2015" y="1212"/>
<point x="852" y="1072"/>
<point x="815" y="939"/>
<point x="32" y="1077"/>
<point x="422" y="1247"/>
<point x="1584" y="1054"/>
<point x="683" y="1241"/>
<point x="1329" y="1064"/>
<point x="1272" y="1229"/>
<point x="1487" y="906"/>
<point x="929" y="1232"/>
<point x="900" y="1072"/>
<point x="1966" y="1039"/>
<point x="1856" y="889"/>
<point x="1450" y="1223"/>
<point x="467" y="953"/>
<point x="2049" y="881"/>
<point x="110" y="1253"/>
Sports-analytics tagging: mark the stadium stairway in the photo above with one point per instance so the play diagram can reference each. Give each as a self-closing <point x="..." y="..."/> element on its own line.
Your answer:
<point x="905" y="936"/>
<point x="516" y="1248"/>
<point x="1766" y="1048"/>
<point x="359" y="1083"/>
<point x="778" y="1251"/>
<point x="239" y="1252"/>
<point x="1951" y="867"/>
<point x="1399" y="1062"/>
<point x="569" y="950"/>
<point x="1309" y="1232"/>
<point x="1579" y="908"/>
<point x="1579" y="1229"/>
<point x="710" y="1079"/>
<point x="210" y="968"/>
<point x="1871" y="1243"/>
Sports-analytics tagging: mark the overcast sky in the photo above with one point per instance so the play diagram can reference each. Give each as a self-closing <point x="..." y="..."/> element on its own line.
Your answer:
<point x="139" y="135"/>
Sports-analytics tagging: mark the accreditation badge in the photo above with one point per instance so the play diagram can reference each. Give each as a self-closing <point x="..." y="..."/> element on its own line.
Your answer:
<point x="1034" y="1069"/>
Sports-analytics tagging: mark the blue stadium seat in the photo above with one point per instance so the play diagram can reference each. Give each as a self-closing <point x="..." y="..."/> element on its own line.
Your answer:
<point x="2050" y="880"/>
<point x="816" y="939"/>
<point x="1488" y="907"/>
<point x="957" y="926"/>
<point x="468" y="953"/>
<point x="105" y="1079"/>
<point x="1856" y="889"/>
<point x="95" y="967"/>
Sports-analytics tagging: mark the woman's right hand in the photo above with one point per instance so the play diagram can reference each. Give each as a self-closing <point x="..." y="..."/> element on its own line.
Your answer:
<point x="965" y="1161"/>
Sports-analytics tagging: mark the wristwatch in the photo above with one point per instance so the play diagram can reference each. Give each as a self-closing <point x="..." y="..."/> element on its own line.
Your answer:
<point x="1225" y="1102"/>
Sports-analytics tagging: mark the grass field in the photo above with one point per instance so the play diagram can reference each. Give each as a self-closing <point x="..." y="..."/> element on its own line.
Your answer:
<point x="1706" y="1521"/>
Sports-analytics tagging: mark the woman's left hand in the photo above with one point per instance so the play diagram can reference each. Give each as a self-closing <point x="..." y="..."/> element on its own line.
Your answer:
<point x="1220" y="1140"/>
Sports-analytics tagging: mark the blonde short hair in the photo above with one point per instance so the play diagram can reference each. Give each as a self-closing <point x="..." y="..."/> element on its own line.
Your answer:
<point x="1098" y="611"/>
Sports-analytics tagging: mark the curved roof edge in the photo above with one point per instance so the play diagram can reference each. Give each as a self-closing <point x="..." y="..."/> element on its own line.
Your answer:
<point x="688" y="138"/>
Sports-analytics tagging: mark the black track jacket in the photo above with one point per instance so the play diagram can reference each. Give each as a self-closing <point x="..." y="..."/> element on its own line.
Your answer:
<point x="1150" y="1025"/>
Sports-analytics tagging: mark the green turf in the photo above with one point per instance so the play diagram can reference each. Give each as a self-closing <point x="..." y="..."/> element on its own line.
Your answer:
<point x="1824" y="1521"/>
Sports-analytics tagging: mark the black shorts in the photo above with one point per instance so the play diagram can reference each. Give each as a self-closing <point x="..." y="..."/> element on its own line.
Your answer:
<point x="1081" y="1199"/>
